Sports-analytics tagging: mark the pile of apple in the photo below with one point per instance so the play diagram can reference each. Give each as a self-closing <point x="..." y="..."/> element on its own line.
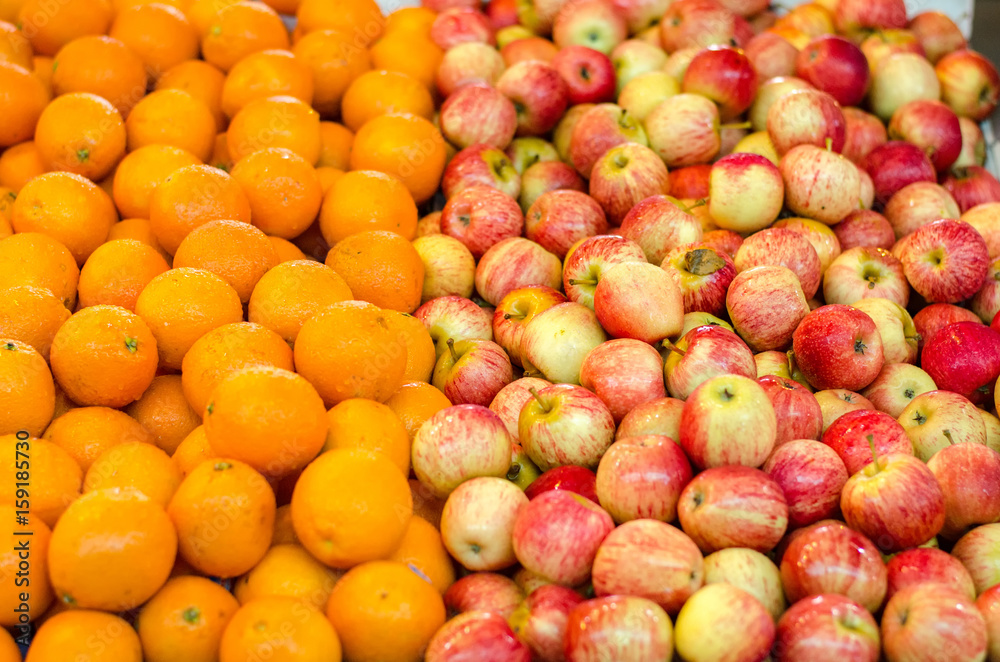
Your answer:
<point x="747" y="266"/>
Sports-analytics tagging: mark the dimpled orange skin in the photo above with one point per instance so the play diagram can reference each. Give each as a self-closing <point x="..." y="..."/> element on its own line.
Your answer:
<point x="284" y="191"/>
<point x="26" y="388"/>
<point x="279" y="629"/>
<point x="54" y="480"/>
<point x="241" y="29"/>
<point x="288" y="570"/>
<point x="161" y="35"/>
<point x="104" y="356"/>
<point x="224" y="515"/>
<point x="172" y="117"/>
<point x="185" y="620"/>
<point x="165" y="412"/>
<point x="335" y="61"/>
<point x="135" y="465"/>
<point x="32" y="315"/>
<point x="103" y="66"/>
<point x="117" y="272"/>
<point x="23" y="101"/>
<point x="84" y="634"/>
<point x="49" y="31"/>
<point x="202" y="81"/>
<point x="279" y="121"/>
<point x="20" y="164"/>
<point x="192" y="451"/>
<point x="112" y="549"/>
<point x="13" y="538"/>
<point x="406" y="146"/>
<point x="380" y="267"/>
<point x="86" y="432"/>
<point x="237" y="252"/>
<point x="266" y="74"/>
<point x="32" y="258"/>
<point x="66" y="140"/>
<point x="292" y="292"/>
<point x="141" y="172"/>
<point x="9" y="651"/>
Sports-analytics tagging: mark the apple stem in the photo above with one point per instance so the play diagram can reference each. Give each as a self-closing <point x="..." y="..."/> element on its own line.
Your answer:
<point x="791" y="362"/>
<point x="538" y="398"/>
<point x="672" y="347"/>
<point x="947" y="435"/>
<point x="736" y="125"/>
<point x="583" y="281"/>
<point x="508" y="316"/>
<point x="871" y="444"/>
<point x="829" y="144"/>
<point x="451" y="348"/>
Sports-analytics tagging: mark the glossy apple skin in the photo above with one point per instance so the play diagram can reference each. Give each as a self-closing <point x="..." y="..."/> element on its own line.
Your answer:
<point x="659" y="225"/>
<point x="938" y="419"/>
<point x="934" y="317"/>
<point x="457" y="25"/>
<point x="829" y="557"/>
<point x="986" y="302"/>
<point x="722" y="621"/>
<point x="750" y="571"/>
<point x="454" y="317"/>
<point x="477" y="522"/>
<point x="932" y="126"/>
<point x="468" y="63"/>
<point x="811" y="476"/>
<point x="863" y="132"/>
<point x="690" y="181"/>
<point x="625" y="175"/>
<point x="701" y="23"/>
<point x="972" y="185"/>
<point x="725" y="75"/>
<point x="896" y="386"/>
<point x="731" y="178"/>
<point x="657" y="315"/>
<point x="784" y="248"/>
<point x="989" y="606"/>
<point x="895" y="327"/>
<point x="838" y="346"/>
<point x="591" y="259"/>
<point x="979" y="552"/>
<point x="542" y="177"/>
<point x="937" y="33"/>
<point x="797" y="411"/>
<point x="478" y="114"/>
<point x="819" y="184"/>
<point x="558" y="534"/>
<point x="624" y="373"/>
<point x="539" y="91"/>
<point x="836" y="66"/>
<point x="589" y="74"/>
<point x="702" y="353"/>
<point x="557" y="340"/>
<point x="969" y="476"/>
<point x="684" y="130"/>
<point x="512" y="264"/>
<point x="618" y="627"/>
<point x="649" y="559"/>
<point x="933" y="622"/>
<point x="480" y="371"/>
<point x="963" y="357"/>
<point x="565" y="424"/>
<point x="896" y="164"/>
<point x="863" y="273"/>
<point x="558" y="219"/>
<point x="923" y="565"/>
<point x="483" y="591"/>
<point x="827" y="628"/>
<point x="477" y="635"/>
<point x="515" y="310"/>
<point x="659" y="417"/>
<point x="946" y="261"/>
<point x="806" y="117"/>
<point x="848" y="437"/>
<point x="578" y="480"/>
<point x="733" y="506"/>
<point x="642" y="477"/>
<point x="771" y="55"/>
<point x="895" y="501"/>
<point x="480" y="217"/>
<point x="703" y="272"/>
<point x="864" y="228"/>
<point x="918" y="204"/>
<point x="766" y="305"/>
<point x="970" y="84"/>
<point x="837" y="402"/>
<point x="598" y="130"/>
<point x="540" y="621"/>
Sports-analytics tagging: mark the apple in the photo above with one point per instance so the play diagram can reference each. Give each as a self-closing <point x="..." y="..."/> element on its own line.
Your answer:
<point x="896" y="385"/>
<point x="896" y="164"/>
<point x="658" y="316"/>
<point x="690" y="23"/>
<point x="987" y="604"/>
<point x="558" y="219"/>
<point x="935" y="622"/>
<point x="690" y="181"/>
<point x="472" y="371"/>
<point x="513" y="313"/>
<point x="599" y="129"/>
<point x="945" y="261"/>
<point x="926" y="565"/>
<point x="992" y="429"/>
<point x="767" y="325"/>
<point x="556" y="341"/>
<point x="658" y="417"/>
<point x="733" y="506"/>
<point x="694" y="320"/>
<point x="565" y="424"/>
<point x="930" y="319"/>
<point x="829" y="558"/>
<point x="771" y="55"/>
<point x="725" y="75"/>
<point x="684" y="130"/>
<point x="864" y="228"/>
<point x="502" y="13"/>
<point x="478" y="114"/>
<point x="972" y="186"/>
<point x="508" y="402"/>
<point x="635" y="57"/>
<point x="827" y="628"/>
<point x="513" y="264"/>
<point x="811" y="476"/>
<point x="863" y="132"/>
<point x="879" y="45"/>
<point x="895" y="327"/>
<point x="937" y="33"/>
<point x="659" y="224"/>
<point x="645" y="91"/>
<point x="769" y="92"/>
<point x="773" y="362"/>
<point x="819" y="183"/>
<point x="458" y="443"/>
<point x="525" y="47"/>
<point x="749" y="571"/>
<point x="618" y="627"/>
<point x="591" y="23"/>
<point x="836" y="66"/>
<point x="930" y="125"/>
<point x="937" y="419"/>
<point x="585" y="265"/>
<point x="723" y="241"/>
<point x="526" y="151"/>
<point x="541" y="620"/>
<point x="522" y="471"/>
<point x="806" y="117"/>
<point x="449" y="268"/>
<point x="563" y="133"/>
<point x="836" y="402"/>
<point x="455" y="318"/>
<point x="543" y="177"/>
<point x="467" y="63"/>
<point x="969" y="476"/>
<point x="539" y="94"/>
<point x="985" y="218"/>
<point x="572" y="478"/>
<point x="476" y="635"/>
<point x="970" y="84"/>
<point x="557" y="535"/>
<point x="979" y="552"/>
<point x="623" y="373"/>
<point x="731" y="177"/>
<point x="837" y="346"/>
<point x="918" y="204"/>
<point x="721" y="621"/>
<point x="973" y="144"/>
<point x="821" y="236"/>
<point x="797" y="411"/>
<point x="702" y="353"/>
<point x="480" y="217"/>
<point x="480" y="165"/>
<point x="642" y="477"/>
<point x="986" y="302"/>
<point x="478" y="521"/>
<point x="785" y="248"/>
<point x="458" y="25"/>
<point x="624" y="175"/>
<point x="589" y="74"/>
<point x="483" y="591"/>
<point x="900" y="79"/>
<point x="860" y="273"/>
<point x="854" y="434"/>
<point x="703" y="275"/>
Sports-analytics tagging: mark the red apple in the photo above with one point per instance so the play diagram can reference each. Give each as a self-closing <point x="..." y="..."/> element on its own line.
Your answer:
<point x="728" y="420"/>
<point x="895" y="328"/>
<point x="933" y="622"/>
<point x="724" y="241"/>
<point x="970" y="84"/>
<point x="478" y="114"/>
<point x="937" y="419"/>
<point x="586" y="264"/>
<point x="972" y="186"/>
<point x="856" y="16"/>
<point x="969" y="475"/>
<point x="480" y="165"/>
<point x="918" y="204"/>
<point x="589" y="74"/>
<point x="979" y="552"/>
<point x="932" y="126"/>
<point x="659" y="224"/>
<point x="973" y="144"/>
<point x="864" y="228"/>
<point x="690" y="181"/>
<point x="836" y="402"/>
<point x="945" y="261"/>
<point x="703" y="275"/>
<point x="724" y="75"/>
<point x="483" y="591"/>
<point x="811" y="476"/>
<point x="642" y="477"/>
<point x="689" y="23"/>
<point x="476" y="635"/>
<point x="770" y="91"/>
<point x="539" y="94"/>
<point x="480" y="217"/>
<point x="514" y="312"/>
<point x="459" y="25"/>
<point x="660" y="314"/>
<point x="478" y="520"/>
<point x="835" y="66"/>
<point x="863" y="273"/>
<point x="624" y="175"/>
<point x="837" y="346"/>
<point x="541" y="620"/>
<point x="513" y="264"/>
<point x="572" y="478"/>
<point x="819" y="183"/>
<point x="986" y="302"/>
<point x="798" y="412"/>
<point x="543" y="177"/>
<point x="658" y="417"/>
<point x="565" y="424"/>
<point x="467" y="63"/>
<point x="722" y="621"/>
<point x="455" y="318"/>
<point x="785" y="248"/>
<point x="558" y="219"/>
<point x="508" y="402"/>
<point x="989" y="605"/>
<point x="684" y="130"/>
<point x="827" y="628"/>
<point x="750" y="571"/>
<point x="896" y="164"/>
<point x="766" y="305"/>
<point x="771" y="55"/>
<point x="618" y="627"/>
<point x="591" y="23"/>
<point x="472" y="372"/>
<point x="937" y="33"/>
<point x="851" y="436"/>
<point x="927" y="565"/>
<point x="624" y="373"/>
<point x="879" y="45"/>
<point x="702" y="353"/>
<point x="449" y="268"/>
<point x="963" y="357"/>
<point x="806" y="117"/>
<point x="896" y="386"/>
<point x="930" y="319"/>
<point x="863" y="132"/>
<point x="598" y="130"/>
<point x="525" y="48"/>
<point x="730" y="207"/>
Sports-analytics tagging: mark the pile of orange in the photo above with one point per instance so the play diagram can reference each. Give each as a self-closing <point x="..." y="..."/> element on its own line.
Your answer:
<point x="206" y="275"/>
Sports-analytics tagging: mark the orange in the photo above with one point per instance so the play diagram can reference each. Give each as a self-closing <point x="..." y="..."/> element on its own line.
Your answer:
<point x="350" y="506"/>
<point x="26" y="389"/>
<point x="360" y="18"/>
<point x="270" y="418"/>
<point x="284" y="530"/>
<point x="161" y="35"/>
<point x="138" y="229"/>
<point x="286" y="7"/>
<point x="63" y="403"/>
<point x="182" y="305"/>
<point x="279" y="121"/>
<point x="291" y="292"/>
<point x="279" y="629"/>
<point x="421" y="354"/>
<point x="224" y="514"/>
<point x="367" y="200"/>
<point x="241" y="29"/>
<point x="112" y="549"/>
<point x="54" y="480"/>
<point x="348" y="351"/>
<point x="7" y="198"/>
<point x="385" y="611"/>
<point x="120" y="6"/>
<point x="102" y="66"/>
<point x="379" y="92"/>
<point x="9" y="9"/>
<point x="185" y="620"/>
<point x="49" y="30"/>
<point x="413" y="54"/>
<point x="31" y="315"/>
<point x="407" y="146"/>
<point x="43" y="69"/>
<point x="172" y="117"/>
<point x="335" y="60"/>
<point x="381" y="268"/>
<point x="134" y="465"/>
<point x="283" y="189"/>
<point x="32" y="258"/>
<point x="220" y="153"/>
<point x="201" y="13"/>
<point x="286" y="252"/>
<point x="288" y="570"/>
<point x="67" y="207"/>
<point x="165" y="412"/>
<point x="14" y="47"/>
<point x="327" y="176"/>
<point x="410" y="20"/>
<point x="415" y="402"/>
<point x="226" y="350"/>
<point x="141" y="172"/>
<point x="22" y="99"/>
<point x="67" y="140"/>
<point x="118" y="271"/>
<point x="199" y="79"/>
<point x="335" y="150"/>
<point x="104" y="356"/>
<point x="86" y="432"/>
<point x="192" y="196"/>
<point x="9" y="650"/>
<point x="237" y="252"/>
<point x="266" y="74"/>
<point x="19" y="580"/>
<point x="83" y="634"/>
<point x="371" y="426"/>
<point x="423" y="550"/>
<point x="19" y="164"/>
<point x="192" y="451"/>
